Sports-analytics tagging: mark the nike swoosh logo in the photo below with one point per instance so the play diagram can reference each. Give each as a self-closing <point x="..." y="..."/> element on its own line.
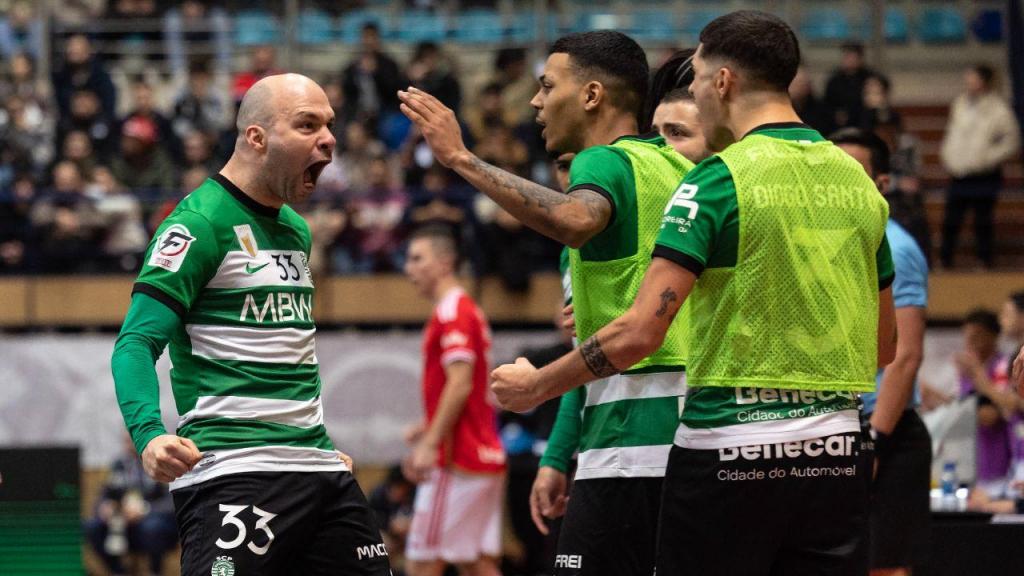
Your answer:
<point x="250" y="270"/>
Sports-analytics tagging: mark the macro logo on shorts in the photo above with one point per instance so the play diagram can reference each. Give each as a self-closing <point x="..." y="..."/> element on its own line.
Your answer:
<point x="569" y="561"/>
<point x="171" y="248"/>
<point x="223" y="566"/>
<point x="371" y="551"/>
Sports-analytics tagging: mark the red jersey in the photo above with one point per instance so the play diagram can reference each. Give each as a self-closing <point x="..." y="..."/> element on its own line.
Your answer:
<point x="458" y="332"/>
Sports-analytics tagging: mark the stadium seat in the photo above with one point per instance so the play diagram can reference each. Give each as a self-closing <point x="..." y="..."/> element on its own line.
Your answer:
<point x="254" y="27"/>
<point x="696" y="20"/>
<point x="314" y="27"/>
<point x="987" y="26"/>
<point x="420" y="26"/>
<point x="479" y="26"/>
<point x="655" y="25"/>
<point x="942" y="25"/>
<point x="825" y="25"/>
<point x="600" y="20"/>
<point x="524" y="27"/>
<point x="897" y="25"/>
<point x="352" y="24"/>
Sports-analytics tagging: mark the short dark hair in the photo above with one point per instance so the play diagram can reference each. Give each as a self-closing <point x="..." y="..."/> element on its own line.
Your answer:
<point x="986" y="73"/>
<point x="670" y="84"/>
<point x="880" y="163"/>
<point x="1018" y="301"/>
<point x="985" y="318"/>
<point x="508" y="56"/>
<point x="761" y="44"/>
<point x="855" y="47"/>
<point x="441" y="236"/>
<point x="613" y="58"/>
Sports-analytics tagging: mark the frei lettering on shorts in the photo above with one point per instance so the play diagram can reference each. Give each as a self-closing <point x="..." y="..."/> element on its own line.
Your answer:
<point x="371" y="551"/>
<point x="840" y="445"/>
<point x="569" y="561"/>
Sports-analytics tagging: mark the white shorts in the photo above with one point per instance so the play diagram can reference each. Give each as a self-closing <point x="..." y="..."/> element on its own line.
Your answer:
<point x="456" y="517"/>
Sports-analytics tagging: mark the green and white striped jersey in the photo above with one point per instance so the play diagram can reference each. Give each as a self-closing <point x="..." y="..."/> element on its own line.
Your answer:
<point x="245" y="376"/>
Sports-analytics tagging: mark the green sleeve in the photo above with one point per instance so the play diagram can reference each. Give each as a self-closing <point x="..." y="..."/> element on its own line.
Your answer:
<point x="700" y="225"/>
<point x="182" y="258"/>
<point x="886" y="268"/>
<point x="565" y="434"/>
<point x="144" y="334"/>
<point x="608" y="171"/>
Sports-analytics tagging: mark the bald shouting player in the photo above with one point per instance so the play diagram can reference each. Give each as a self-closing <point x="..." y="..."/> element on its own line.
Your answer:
<point x="258" y="486"/>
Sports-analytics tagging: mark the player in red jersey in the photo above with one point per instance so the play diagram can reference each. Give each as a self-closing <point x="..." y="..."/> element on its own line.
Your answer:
<point x="457" y="456"/>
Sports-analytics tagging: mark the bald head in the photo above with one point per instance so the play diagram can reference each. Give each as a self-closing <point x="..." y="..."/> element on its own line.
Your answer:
<point x="269" y="96"/>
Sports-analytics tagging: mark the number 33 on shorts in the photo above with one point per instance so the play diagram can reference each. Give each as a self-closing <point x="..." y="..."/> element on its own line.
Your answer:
<point x="239" y="532"/>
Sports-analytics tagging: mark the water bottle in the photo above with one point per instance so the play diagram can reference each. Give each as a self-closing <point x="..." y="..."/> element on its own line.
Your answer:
<point x="948" y="484"/>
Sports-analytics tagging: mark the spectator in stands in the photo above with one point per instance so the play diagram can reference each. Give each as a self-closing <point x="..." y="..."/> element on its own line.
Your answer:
<point x="433" y="71"/>
<point x="27" y="131"/>
<point x="376" y="219"/>
<point x="194" y="27"/>
<point x="201" y="107"/>
<point x="133" y="513"/>
<point x="125" y="238"/>
<point x="263" y="63"/>
<point x="199" y="153"/>
<point x="137" y="31"/>
<point x="499" y="146"/>
<point x="142" y="165"/>
<point x="490" y="110"/>
<point x="984" y="372"/>
<point x="21" y="31"/>
<point x="87" y="115"/>
<point x="20" y="80"/>
<point x="1011" y="322"/>
<point x="191" y="179"/>
<point x="78" y="149"/>
<point x="145" y="106"/>
<point x="372" y="80"/>
<point x="16" y="226"/>
<point x="517" y="84"/>
<point x="981" y="137"/>
<point x="67" y="228"/>
<point x="844" y="93"/>
<point x="81" y="71"/>
<point x="807" y="104"/>
<point x="438" y="201"/>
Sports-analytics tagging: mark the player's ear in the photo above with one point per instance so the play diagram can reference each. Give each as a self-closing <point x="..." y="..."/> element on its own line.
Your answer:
<point x="593" y="93"/>
<point x="256" y="137"/>
<point x="724" y="81"/>
<point x="883" y="181"/>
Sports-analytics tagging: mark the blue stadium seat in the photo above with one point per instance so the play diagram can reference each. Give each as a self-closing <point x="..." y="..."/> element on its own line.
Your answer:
<point x="897" y="25"/>
<point x="314" y="27"/>
<point x="352" y="24"/>
<point x="419" y="26"/>
<point x="696" y="20"/>
<point x="599" y="20"/>
<point x="825" y="25"/>
<point x="479" y="26"/>
<point x="524" y="27"/>
<point x="988" y="26"/>
<point x="254" y="27"/>
<point x="657" y="25"/>
<point x="944" y="25"/>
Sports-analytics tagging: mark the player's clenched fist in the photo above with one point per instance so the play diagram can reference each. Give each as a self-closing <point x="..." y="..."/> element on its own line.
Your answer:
<point x="515" y="387"/>
<point x="436" y="122"/>
<point x="167" y="457"/>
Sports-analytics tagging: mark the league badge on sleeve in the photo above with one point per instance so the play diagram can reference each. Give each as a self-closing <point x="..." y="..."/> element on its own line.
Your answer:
<point x="171" y="248"/>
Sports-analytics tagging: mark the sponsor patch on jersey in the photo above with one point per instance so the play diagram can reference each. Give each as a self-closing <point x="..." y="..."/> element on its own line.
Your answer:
<point x="454" y="339"/>
<point x="246" y="239"/>
<point x="171" y="248"/>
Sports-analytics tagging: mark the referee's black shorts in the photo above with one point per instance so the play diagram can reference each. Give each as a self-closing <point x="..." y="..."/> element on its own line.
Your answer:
<point x="766" y="510"/>
<point x="900" y="515"/>
<point x="610" y="528"/>
<point x="271" y="523"/>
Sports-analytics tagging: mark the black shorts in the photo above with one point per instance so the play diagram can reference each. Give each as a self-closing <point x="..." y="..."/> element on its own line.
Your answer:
<point x="900" y="515"/>
<point x="609" y="528"/>
<point x="778" y="509"/>
<point x="270" y="523"/>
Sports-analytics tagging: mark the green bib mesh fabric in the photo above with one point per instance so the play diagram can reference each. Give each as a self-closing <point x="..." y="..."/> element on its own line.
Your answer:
<point x="603" y="291"/>
<point x="800" y="309"/>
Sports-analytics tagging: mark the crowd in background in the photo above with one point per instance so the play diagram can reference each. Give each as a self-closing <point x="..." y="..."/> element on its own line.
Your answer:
<point x="83" y="187"/>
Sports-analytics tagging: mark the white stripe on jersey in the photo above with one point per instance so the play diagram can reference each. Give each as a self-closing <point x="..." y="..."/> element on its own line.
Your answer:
<point x="623" y="462"/>
<point x="300" y="413"/>
<point x="770" y="432"/>
<point x="448" y="307"/>
<point x="217" y="463"/>
<point x="268" y="268"/>
<point x="636" y="387"/>
<point x="275" y="345"/>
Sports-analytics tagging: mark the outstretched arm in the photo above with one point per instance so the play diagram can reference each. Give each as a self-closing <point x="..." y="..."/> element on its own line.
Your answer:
<point x="622" y="343"/>
<point x="571" y="219"/>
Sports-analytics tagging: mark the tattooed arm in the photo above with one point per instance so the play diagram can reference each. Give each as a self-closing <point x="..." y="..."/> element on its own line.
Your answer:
<point x="571" y="219"/>
<point x="622" y="343"/>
